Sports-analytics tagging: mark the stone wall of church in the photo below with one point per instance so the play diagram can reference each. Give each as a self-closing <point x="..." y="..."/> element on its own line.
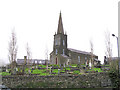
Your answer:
<point x="60" y="59"/>
<point x="74" y="57"/>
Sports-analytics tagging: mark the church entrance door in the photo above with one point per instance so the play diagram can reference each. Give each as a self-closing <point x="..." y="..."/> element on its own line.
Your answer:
<point x="56" y="60"/>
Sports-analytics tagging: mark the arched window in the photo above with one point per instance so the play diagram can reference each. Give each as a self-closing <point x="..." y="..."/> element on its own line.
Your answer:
<point x="56" y="43"/>
<point x="63" y="52"/>
<point x="70" y="54"/>
<point x="63" y="42"/>
<point x="56" y="51"/>
<point x="85" y="58"/>
<point x="79" y="59"/>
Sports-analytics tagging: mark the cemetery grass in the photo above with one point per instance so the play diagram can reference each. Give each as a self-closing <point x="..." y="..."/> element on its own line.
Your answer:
<point x="5" y="73"/>
<point x="96" y="69"/>
<point x="44" y="72"/>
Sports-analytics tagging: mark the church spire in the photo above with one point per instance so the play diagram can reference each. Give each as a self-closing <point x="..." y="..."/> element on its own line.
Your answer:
<point x="60" y="25"/>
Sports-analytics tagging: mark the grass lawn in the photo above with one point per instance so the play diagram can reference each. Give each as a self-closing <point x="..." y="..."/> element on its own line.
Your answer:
<point x="74" y="65"/>
<point x="96" y="69"/>
<point x="76" y="72"/>
<point x="4" y="73"/>
<point x="43" y="66"/>
<point x="68" y="69"/>
<point x="55" y="71"/>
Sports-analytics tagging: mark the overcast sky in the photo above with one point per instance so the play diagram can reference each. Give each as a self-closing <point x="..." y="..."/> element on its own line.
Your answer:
<point x="36" y="22"/>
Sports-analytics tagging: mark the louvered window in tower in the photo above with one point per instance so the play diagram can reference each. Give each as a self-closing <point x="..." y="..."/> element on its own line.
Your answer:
<point x="63" y="43"/>
<point x="56" y="43"/>
<point x="79" y="59"/>
<point x="63" y="52"/>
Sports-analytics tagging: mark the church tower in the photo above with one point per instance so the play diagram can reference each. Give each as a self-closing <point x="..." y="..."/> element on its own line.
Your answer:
<point x="60" y="40"/>
<point x="61" y="55"/>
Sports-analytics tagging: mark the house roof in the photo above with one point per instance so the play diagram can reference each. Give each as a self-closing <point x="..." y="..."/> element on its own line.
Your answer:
<point x="21" y="61"/>
<point x="82" y="52"/>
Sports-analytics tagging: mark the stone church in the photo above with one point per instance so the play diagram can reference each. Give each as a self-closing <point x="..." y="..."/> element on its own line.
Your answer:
<point x="61" y="55"/>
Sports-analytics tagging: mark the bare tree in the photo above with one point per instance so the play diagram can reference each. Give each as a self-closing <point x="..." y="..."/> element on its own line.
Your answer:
<point x="108" y="51"/>
<point x="92" y="56"/>
<point x="12" y="55"/>
<point x="46" y="57"/>
<point x="29" y="54"/>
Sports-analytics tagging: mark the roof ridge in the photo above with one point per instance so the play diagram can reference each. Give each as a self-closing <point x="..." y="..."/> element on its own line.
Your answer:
<point x="79" y="51"/>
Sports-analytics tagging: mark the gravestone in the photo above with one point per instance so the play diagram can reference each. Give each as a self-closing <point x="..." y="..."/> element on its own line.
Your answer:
<point x="7" y="71"/>
<point x="90" y="65"/>
<point x="29" y="71"/>
<point x="14" y="71"/>
<point x="50" y="70"/>
<point x="39" y="67"/>
<point x="36" y="67"/>
<point x="58" y="71"/>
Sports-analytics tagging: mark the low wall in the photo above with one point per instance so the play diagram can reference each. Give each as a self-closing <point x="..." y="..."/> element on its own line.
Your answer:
<point x="82" y="81"/>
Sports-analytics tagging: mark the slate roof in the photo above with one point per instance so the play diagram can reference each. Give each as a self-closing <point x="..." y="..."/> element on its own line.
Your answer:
<point x="78" y="51"/>
<point x="65" y="56"/>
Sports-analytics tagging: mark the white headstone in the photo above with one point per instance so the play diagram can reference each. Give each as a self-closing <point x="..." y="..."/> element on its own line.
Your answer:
<point x="90" y="64"/>
<point x="50" y="69"/>
<point x="16" y="69"/>
<point x="64" y="64"/>
<point x="58" y="71"/>
<point x="7" y="70"/>
<point x="86" y="63"/>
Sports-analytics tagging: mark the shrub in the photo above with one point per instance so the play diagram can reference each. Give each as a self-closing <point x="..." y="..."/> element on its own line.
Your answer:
<point x="113" y="73"/>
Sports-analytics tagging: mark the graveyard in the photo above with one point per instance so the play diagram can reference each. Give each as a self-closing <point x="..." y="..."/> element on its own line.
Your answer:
<point x="55" y="76"/>
<point x="41" y="70"/>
